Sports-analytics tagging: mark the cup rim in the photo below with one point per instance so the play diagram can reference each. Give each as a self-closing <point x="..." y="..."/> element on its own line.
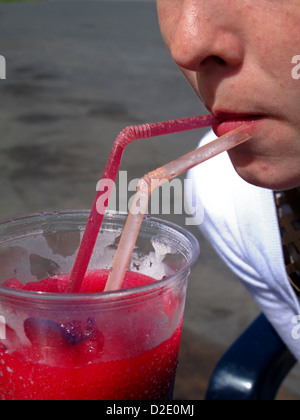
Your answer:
<point x="40" y="297"/>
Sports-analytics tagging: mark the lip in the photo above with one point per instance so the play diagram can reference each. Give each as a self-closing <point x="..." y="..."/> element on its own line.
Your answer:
<point x="230" y="121"/>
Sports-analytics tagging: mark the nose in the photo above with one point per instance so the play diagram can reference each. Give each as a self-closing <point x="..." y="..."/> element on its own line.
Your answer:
<point x="205" y="36"/>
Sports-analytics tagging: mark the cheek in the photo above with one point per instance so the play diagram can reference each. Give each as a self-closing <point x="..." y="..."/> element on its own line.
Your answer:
<point x="276" y="41"/>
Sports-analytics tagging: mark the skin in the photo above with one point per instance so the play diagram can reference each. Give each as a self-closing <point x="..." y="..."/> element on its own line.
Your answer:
<point x="237" y="55"/>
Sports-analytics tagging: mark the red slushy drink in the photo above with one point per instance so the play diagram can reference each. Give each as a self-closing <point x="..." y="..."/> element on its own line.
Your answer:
<point x="91" y="345"/>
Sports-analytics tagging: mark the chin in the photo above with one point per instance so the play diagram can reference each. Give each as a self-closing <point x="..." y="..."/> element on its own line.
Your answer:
<point x="273" y="177"/>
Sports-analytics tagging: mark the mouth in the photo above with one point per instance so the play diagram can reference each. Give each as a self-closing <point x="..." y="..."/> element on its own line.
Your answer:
<point x="230" y="121"/>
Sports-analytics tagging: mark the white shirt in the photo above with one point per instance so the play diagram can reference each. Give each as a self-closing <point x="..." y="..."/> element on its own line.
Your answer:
<point x="240" y="220"/>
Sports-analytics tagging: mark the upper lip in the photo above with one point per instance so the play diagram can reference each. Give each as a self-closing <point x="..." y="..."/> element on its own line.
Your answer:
<point x="223" y="116"/>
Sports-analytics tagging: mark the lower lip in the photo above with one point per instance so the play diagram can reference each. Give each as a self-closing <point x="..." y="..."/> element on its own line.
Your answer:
<point x="225" y="127"/>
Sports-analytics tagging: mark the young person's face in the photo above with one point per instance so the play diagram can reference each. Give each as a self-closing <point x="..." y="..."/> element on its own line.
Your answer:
<point x="237" y="55"/>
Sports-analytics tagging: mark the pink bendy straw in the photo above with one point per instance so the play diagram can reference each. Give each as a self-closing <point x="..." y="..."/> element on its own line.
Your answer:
<point x="151" y="181"/>
<point x="126" y="137"/>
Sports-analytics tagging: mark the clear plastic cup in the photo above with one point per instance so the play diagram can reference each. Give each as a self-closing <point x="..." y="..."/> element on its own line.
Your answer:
<point x="117" y="345"/>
